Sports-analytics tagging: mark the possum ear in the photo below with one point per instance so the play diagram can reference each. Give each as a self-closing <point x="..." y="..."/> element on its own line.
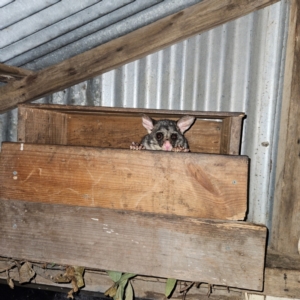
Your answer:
<point x="148" y="123"/>
<point x="185" y="123"/>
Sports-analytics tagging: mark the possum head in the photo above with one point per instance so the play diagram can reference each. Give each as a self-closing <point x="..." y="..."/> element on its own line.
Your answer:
<point x="166" y="134"/>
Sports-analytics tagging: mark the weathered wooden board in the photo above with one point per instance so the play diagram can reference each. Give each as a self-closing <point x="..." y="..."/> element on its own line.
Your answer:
<point x="218" y="252"/>
<point x="190" y="184"/>
<point x="213" y="132"/>
<point x="193" y="20"/>
<point x="9" y="73"/>
<point x="286" y="214"/>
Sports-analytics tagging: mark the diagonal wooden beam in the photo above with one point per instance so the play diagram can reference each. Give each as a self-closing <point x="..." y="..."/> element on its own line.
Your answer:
<point x="8" y="73"/>
<point x="169" y="30"/>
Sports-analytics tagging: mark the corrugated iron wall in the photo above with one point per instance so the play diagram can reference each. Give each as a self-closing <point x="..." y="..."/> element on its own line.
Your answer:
<point x="234" y="67"/>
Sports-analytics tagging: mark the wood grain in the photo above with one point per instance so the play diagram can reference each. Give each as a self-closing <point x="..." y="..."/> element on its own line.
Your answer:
<point x="169" y="30"/>
<point x="42" y="126"/>
<point x="286" y="214"/>
<point x="231" y="135"/>
<point x="190" y="184"/>
<point x="116" y="128"/>
<point x="218" y="252"/>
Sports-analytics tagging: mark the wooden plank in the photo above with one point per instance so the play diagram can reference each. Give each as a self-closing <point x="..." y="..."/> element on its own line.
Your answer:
<point x="8" y="73"/>
<point x="286" y="222"/>
<point x="218" y="252"/>
<point x="169" y="30"/>
<point x="157" y="113"/>
<point x="282" y="275"/>
<point x="190" y="184"/>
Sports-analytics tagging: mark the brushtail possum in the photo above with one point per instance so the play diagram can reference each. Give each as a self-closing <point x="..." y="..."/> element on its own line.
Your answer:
<point x="166" y="135"/>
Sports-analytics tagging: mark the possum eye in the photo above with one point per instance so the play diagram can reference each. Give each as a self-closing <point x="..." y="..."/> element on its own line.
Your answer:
<point x="174" y="137"/>
<point x="159" y="136"/>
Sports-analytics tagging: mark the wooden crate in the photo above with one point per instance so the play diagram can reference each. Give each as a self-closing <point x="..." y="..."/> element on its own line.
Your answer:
<point x="213" y="132"/>
<point x="153" y="213"/>
<point x="188" y="184"/>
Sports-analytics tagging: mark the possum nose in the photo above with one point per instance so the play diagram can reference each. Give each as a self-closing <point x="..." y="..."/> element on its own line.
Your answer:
<point x="167" y="146"/>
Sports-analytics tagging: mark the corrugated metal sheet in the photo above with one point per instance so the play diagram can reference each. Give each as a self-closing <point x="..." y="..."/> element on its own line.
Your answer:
<point x="235" y="67"/>
<point x="56" y="30"/>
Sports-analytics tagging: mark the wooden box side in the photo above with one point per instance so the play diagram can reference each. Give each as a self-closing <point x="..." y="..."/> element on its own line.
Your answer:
<point x="231" y="135"/>
<point x="188" y="184"/>
<point x="41" y="126"/>
<point x="216" y="252"/>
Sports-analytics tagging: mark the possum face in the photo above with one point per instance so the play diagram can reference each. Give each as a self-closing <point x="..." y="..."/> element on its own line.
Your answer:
<point x="166" y="134"/>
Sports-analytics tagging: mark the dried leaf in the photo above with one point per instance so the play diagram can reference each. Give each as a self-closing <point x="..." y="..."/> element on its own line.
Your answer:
<point x="10" y="283"/>
<point x="26" y="272"/>
<point x="70" y="294"/>
<point x="115" y="276"/>
<point x="129" y="292"/>
<point x="111" y="292"/>
<point x="79" y="276"/>
<point x="61" y="278"/>
<point x="70" y="272"/>
<point x="74" y="285"/>
<point x="170" y="285"/>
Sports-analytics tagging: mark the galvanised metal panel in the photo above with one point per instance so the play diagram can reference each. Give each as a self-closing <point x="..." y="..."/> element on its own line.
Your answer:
<point x="47" y="45"/>
<point x="235" y="67"/>
<point x="39" y="21"/>
<point x="60" y="33"/>
<point x="20" y="10"/>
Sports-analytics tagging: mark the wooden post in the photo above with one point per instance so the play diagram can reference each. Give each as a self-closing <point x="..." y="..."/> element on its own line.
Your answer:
<point x="286" y="213"/>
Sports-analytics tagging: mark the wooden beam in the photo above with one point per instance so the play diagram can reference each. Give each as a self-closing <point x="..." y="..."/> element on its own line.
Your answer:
<point x="9" y="73"/>
<point x="169" y="30"/>
<point x="286" y="222"/>
<point x="218" y="252"/>
<point x="186" y="184"/>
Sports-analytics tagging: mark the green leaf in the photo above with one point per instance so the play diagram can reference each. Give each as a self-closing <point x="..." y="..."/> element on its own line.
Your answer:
<point x="115" y="276"/>
<point x="127" y="276"/>
<point x="170" y="285"/>
<point x="129" y="292"/>
<point x="121" y="289"/>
